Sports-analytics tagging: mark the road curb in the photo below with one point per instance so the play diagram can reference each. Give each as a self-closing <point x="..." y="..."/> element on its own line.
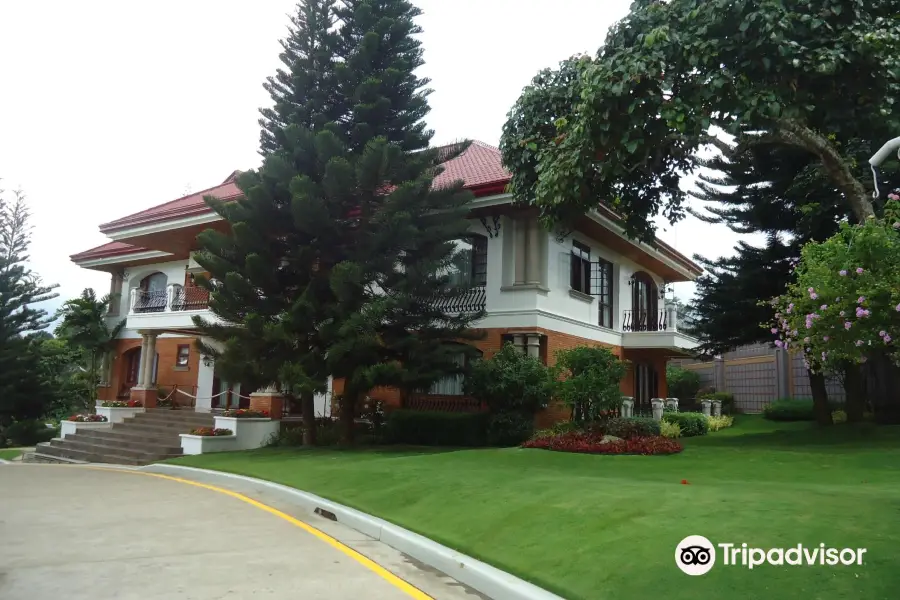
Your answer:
<point x="480" y="576"/>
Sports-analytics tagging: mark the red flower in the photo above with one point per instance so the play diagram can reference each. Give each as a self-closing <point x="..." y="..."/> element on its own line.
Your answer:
<point x="684" y="482"/>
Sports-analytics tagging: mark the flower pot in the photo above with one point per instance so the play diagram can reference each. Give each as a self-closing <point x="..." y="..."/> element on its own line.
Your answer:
<point x="72" y="427"/>
<point x="119" y="414"/>
<point x="250" y="433"/>
<point x="204" y="444"/>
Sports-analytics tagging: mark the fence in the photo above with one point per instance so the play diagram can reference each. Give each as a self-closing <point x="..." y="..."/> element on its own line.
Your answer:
<point x="758" y="374"/>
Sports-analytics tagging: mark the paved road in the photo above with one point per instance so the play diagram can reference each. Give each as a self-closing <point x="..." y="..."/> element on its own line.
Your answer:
<point x="75" y="533"/>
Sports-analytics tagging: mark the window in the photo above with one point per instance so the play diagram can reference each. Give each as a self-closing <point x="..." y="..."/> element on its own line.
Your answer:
<point x="580" y="276"/>
<point x="451" y="385"/>
<point x="604" y="284"/>
<point x="183" y="356"/>
<point x="468" y="266"/>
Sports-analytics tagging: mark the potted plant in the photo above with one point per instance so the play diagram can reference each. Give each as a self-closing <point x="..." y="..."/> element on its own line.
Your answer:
<point x="72" y="424"/>
<point x="116" y="411"/>
<point x="253" y="428"/>
<point x="208" y="439"/>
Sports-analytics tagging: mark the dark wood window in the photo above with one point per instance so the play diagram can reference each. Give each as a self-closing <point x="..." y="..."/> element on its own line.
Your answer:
<point x="479" y="261"/>
<point x="468" y="267"/>
<point x="580" y="268"/>
<point x="183" y="356"/>
<point x="604" y="291"/>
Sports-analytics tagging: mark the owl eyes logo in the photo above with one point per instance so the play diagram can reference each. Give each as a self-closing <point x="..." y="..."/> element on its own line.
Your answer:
<point x="695" y="555"/>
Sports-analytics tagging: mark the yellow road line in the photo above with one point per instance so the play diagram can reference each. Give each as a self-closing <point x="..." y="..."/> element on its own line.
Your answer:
<point x="397" y="582"/>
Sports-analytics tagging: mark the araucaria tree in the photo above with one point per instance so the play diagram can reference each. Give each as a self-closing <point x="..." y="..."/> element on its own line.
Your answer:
<point x="624" y="127"/>
<point x="339" y="255"/>
<point x="23" y="392"/>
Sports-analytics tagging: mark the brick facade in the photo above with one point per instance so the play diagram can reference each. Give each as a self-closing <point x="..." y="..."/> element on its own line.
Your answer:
<point x="168" y="374"/>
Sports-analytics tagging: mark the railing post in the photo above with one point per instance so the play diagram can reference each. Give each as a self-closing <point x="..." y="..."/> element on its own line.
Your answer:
<point x="133" y="302"/>
<point x="170" y="297"/>
<point x="672" y="316"/>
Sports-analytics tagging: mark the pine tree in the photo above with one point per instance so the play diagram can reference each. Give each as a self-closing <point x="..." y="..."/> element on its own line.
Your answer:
<point x="23" y="392"/>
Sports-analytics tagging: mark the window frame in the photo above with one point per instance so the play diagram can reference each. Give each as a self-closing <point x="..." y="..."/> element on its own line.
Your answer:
<point x="580" y="267"/>
<point x="606" y="297"/>
<point x="187" y="357"/>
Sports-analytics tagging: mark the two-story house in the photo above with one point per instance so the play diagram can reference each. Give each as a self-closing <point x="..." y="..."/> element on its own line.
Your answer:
<point x="542" y="291"/>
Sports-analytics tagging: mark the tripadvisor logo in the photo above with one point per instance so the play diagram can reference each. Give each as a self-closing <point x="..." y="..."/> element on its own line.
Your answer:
<point x="696" y="555"/>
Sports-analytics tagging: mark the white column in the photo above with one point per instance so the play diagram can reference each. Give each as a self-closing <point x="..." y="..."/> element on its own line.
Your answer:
<point x="657" y="405"/>
<point x="205" y="375"/>
<point x="672" y="404"/>
<point x="627" y="407"/>
<point x="717" y="408"/>
<point x="142" y="366"/>
<point x="519" y="251"/>
<point x="133" y="299"/>
<point x="519" y="342"/>
<point x="706" y="406"/>
<point x="149" y="361"/>
<point x="534" y="345"/>
<point x="170" y="297"/>
<point x="672" y="316"/>
<point x="533" y="253"/>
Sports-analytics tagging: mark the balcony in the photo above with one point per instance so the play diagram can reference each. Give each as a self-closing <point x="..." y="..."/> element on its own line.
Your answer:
<point x="658" y="329"/>
<point x="466" y="300"/>
<point x="172" y="308"/>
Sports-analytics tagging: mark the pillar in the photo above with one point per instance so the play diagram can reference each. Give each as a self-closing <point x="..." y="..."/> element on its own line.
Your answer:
<point x="205" y="375"/>
<point x="269" y="400"/>
<point x="140" y="377"/>
<point x="144" y="392"/>
<point x="672" y="404"/>
<point x="658" y="405"/>
<point x="782" y="373"/>
<point x="521" y="231"/>
<point x="148" y="360"/>
<point x="519" y="342"/>
<point x="627" y="407"/>
<point x="719" y="373"/>
<point x="533" y="253"/>
<point x="534" y="345"/>
<point x="706" y="407"/>
<point x="717" y="408"/>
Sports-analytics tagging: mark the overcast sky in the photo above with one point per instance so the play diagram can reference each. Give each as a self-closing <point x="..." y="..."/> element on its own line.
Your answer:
<point x="110" y="107"/>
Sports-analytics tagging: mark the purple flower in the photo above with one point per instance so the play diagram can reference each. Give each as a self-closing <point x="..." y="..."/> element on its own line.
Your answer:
<point x="893" y="196"/>
<point x="859" y="342"/>
<point x="794" y="333"/>
<point x="811" y="290"/>
<point x="859" y="270"/>
<point x="843" y="313"/>
<point x="824" y="338"/>
<point x="882" y="333"/>
<point x="791" y="307"/>
<point x="814" y="296"/>
<point x="842" y="272"/>
<point x="887" y="339"/>
<point x="861" y="299"/>
<point x="823" y="307"/>
<point x="779" y="343"/>
<point x="847" y="324"/>
<point x="824" y="354"/>
<point x="898" y="308"/>
<point x="774" y="330"/>
<point x="896" y="225"/>
<point x="777" y="315"/>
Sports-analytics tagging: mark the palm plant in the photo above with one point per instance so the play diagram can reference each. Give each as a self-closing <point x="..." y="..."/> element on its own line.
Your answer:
<point x="84" y="325"/>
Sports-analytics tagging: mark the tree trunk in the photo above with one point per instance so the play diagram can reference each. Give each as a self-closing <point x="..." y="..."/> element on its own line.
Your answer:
<point x="821" y="409"/>
<point x="348" y="416"/>
<point x="854" y="389"/>
<point x="883" y="391"/>
<point x="308" y="410"/>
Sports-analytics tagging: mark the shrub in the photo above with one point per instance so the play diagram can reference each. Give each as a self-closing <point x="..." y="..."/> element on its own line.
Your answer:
<point x="683" y="383"/>
<point x="373" y="412"/>
<point x="594" y="443"/>
<point x="29" y="433"/>
<point x="587" y="380"/>
<point x="510" y="381"/>
<point x="210" y="432"/>
<point x="246" y="413"/>
<point x="839" y="416"/>
<point x="788" y="409"/>
<point x="426" y="428"/>
<point x="509" y="429"/>
<point x="692" y="424"/>
<point x="670" y="430"/>
<point x="87" y="418"/>
<point x="717" y="423"/>
<point x="631" y="427"/>
<point x="287" y="437"/>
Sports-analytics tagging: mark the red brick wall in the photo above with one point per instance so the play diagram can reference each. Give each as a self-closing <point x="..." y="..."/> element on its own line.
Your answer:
<point x="167" y="373"/>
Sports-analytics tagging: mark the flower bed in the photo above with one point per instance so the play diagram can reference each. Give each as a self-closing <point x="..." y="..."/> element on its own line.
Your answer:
<point x="116" y="411"/>
<point x="87" y="419"/>
<point x="122" y="404"/>
<point x="246" y="413"/>
<point x="210" y="431"/>
<point x="251" y="431"/>
<point x="597" y="443"/>
<point x="78" y="422"/>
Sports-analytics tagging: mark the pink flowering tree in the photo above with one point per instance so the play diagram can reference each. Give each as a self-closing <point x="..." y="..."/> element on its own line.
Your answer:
<point x="844" y="307"/>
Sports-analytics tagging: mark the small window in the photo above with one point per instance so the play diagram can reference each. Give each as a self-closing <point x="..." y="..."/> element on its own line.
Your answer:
<point x="580" y="276"/>
<point x="468" y="267"/>
<point x="184" y="355"/>
<point x="605" y="292"/>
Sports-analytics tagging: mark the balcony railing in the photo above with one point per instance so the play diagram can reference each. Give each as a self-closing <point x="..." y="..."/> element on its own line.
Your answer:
<point x="175" y="298"/>
<point x="646" y="320"/>
<point x="467" y="300"/>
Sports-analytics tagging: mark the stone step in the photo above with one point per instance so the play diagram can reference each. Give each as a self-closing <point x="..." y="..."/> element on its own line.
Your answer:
<point x="172" y="422"/>
<point x="127" y="437"/>
<point x="174" y="414"/>
<point x="65" y="451"/>
<point x="124" y="447"/>
<point x="152" y="429"/>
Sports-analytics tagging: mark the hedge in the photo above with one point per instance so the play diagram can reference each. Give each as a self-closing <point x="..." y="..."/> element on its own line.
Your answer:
<point x="428" y="428"/>
<point x="691" y="423"/>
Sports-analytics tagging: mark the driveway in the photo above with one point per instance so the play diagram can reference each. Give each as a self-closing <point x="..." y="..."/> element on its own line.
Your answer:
<point x="73" y="533"/>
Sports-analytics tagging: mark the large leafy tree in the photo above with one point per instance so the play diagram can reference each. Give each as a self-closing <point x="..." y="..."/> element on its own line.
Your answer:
<point x="23" y="393"/>
<point x="338" y="254"/>
<point x="85" y="326"/>
<point x="624" y="127"/>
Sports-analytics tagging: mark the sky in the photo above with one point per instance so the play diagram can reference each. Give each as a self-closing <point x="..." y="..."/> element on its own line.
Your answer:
<point x="110" y="107"/>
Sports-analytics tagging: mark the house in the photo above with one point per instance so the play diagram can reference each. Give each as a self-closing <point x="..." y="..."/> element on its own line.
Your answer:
<point x="542" y="291"/>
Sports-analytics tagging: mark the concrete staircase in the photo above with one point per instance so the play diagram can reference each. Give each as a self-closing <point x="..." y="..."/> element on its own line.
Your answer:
<point x="140" y="440"/>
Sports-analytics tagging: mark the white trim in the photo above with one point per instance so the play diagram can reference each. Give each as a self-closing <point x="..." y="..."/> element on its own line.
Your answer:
<point x="494" y="200"/>
<point x="671" y="340"/>
<point x="169" y="225"/>
<point x="122" y="258"/>
<point x="538" y="318"/>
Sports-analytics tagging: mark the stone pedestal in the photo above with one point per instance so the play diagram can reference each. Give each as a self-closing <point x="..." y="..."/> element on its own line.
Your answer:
<point x="146" y="396"/>
<point x="268" y="400"/>
<point x="672" y="404"/>
<point x="658" y="405"/>
<point x="706" y="406"/>
<point x="717" y="408"/>
<point x="627" y="407"/>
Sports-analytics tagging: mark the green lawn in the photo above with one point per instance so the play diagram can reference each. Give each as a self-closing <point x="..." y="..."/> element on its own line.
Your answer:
<point x="606" y="526"/>
<point x="9" y="454"/>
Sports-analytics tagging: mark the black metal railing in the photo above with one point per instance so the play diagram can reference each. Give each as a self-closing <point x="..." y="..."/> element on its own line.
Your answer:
<point x="151" y="301"/>
<point x="645" y="320"/>
<point x="190" y="298"/>
<point x="468" y="300"/>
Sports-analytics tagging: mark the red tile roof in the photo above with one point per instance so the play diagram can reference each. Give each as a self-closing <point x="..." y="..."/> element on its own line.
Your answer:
<point x="107" y="250"/>
<point x="479" y="167"/>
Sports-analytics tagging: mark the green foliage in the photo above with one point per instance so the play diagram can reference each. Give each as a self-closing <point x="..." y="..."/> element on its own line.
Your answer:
<point x="683" y="383"/>
<point x="838" y="416"/>
<point x="424" y="428"/>
<point x="621" y="128"/>
<point x="588" y="381"/>
<point x="669" y="429"/>
<point x="510" y="381"/>
<point x="788" y="409"/>
<point x="630" y="427"/>
<point x="509" y="429"/>
<point x="28" y="432"/>
<point x="720" y="422"/>
<point x="691" y="424"/>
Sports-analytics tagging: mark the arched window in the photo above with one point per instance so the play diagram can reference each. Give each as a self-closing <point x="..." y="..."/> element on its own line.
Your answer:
<point x="452" y="385"/>
<point x="152" y="297"/>
<point x="644" y="303"/>
<point x="154" y="282"/>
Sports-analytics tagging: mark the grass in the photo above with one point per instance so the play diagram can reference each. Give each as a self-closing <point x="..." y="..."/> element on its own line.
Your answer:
<point x="9" y="454"/>
<point x="596" y="527"/>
